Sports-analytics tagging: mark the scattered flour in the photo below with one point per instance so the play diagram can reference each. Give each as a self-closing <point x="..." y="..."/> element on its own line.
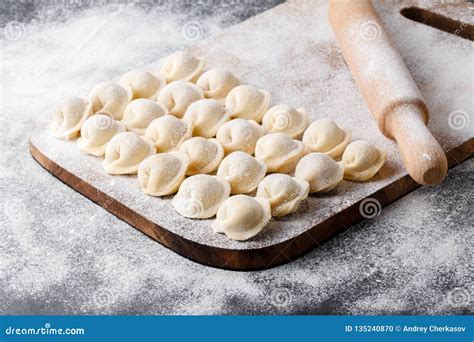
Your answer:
<point x="62" y="254"/>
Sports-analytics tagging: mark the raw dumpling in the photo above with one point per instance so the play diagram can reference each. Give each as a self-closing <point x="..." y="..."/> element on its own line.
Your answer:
<point x="321" y="172"/>
<point x="241" y="217"/>
<point x="204" y="154"/>
<point x="110" y="98"/>
<point x="285" y="193"/>
<point x="285" y="119"/>
<point x="96" y="132"/>
<point x="327" y="137"/>
<point x="178" y="95"/>
<point x="125" y="151"/>
<point x="362" y="160"/>
<point x="142" y="84"/>
<point x="168" y="132"/>
<point x="140" y="113"/>
<point x="242" y="171"/>
<point x="161" y="174"/>
<point x="217" y="83"/>
<point x="279" y="152"/>
<point x="239" y="135"/>
<point x="183" y="66"/>
<point x="68" y="117"/>
<point x="247" y="102"/>
<point x="206" y="116"/>
<point x="200" y="196"/>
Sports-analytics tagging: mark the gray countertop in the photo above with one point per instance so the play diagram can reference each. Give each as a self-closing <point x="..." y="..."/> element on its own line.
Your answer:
<point x="62" y="254"/>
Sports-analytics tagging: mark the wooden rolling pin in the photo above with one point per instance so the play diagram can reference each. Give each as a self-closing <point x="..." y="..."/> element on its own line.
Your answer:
<point x="388" y="88"/>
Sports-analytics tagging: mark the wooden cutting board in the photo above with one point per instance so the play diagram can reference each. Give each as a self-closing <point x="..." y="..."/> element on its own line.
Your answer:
<point x="291" y="52"/>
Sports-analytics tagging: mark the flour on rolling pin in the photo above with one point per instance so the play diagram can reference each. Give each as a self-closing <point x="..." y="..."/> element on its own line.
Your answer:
<point x="311" y="72"/>
<point x="388" y="88"/>
<point x="383" y="69"/>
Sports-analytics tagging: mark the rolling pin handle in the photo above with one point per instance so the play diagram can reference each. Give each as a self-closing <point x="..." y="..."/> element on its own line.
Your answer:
<point x="422" y="155"/>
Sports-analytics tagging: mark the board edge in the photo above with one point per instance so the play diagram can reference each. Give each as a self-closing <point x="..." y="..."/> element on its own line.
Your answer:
<point x="248" y="259"/>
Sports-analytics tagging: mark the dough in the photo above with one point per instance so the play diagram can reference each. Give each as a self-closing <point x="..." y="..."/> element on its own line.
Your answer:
<point x="239" y="135"/>
<point x="241" y="217"/>
<point x="96" y="132"/>
<point x="204" y="155"/>
<point x="140" y="113"/>
<point x="217" y="83"/>
<point x="68" y="117"/>
<point x="285" y="193"/>
<point x="206" y="116"/>
<point x="168" y="132"/>
<point x="110" y="98"/>
<point x="183" y="66"/>
<point x="247" y="102"/>
<point x="362" y="160"/>
<point x="285" y="119"/>
<point x="279" y="152"/>
<point x="327" y="137"/>
<point x="200" y="196"/>
<point x="161" y="174"/>
<point x="142" y="84"/>
<point x="125" y="151"/>
<point x="242" y="171"/>
<point x="321" y="172"/>
<point x="178" y="95"/>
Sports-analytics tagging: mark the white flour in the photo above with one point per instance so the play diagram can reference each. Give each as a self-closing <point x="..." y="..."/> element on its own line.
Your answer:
<point x="63" y="254"/>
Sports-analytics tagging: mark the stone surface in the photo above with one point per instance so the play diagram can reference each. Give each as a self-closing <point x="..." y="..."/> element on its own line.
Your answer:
<point x="62" y="254"/>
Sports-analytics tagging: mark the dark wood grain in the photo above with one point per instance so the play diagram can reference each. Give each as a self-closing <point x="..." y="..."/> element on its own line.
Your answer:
<point x="248" y="259"/>
<point x="282" y="252"/>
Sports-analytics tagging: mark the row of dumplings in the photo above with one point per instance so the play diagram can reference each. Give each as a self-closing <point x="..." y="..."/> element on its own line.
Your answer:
<point x="222" y="135"/>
